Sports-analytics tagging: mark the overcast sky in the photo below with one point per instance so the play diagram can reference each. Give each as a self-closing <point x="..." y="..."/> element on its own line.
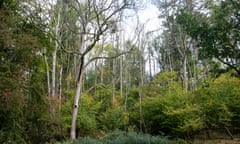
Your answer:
<point x="149" y="15"/>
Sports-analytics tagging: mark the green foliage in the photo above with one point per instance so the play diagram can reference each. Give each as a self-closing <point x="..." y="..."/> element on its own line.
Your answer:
<point x="132" y="138"/>
<point x="180" y="113"/>
<point x="110" y="114"/>
<point x="96" y="112"/>
<point x="112" y="119"/>
<point x="217" y="35"/>
<point x="213" y="101"/>
<point x="28" y="116"/>
<point x="86" y="120"/>
<point x="87" y="113"/>
<point x="87" y="140"/>
<point x="118" y="137"/>
<point x="41" y="115"/>
<point x="172" y="112"/>
<point x="104" y="96"/>
<point x="226" y="88"/>
<point x="24" y="107"/>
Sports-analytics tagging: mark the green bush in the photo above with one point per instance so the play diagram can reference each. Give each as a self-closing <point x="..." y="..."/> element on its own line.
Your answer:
<point x="178" y="113"/>
<point x="86" y="118"/>
<point x="172" y="111"/>
<point x="88" y="140"/>
<point x="119" y="137"/>
<point x="112" y="119"/>
<point x="220" y="101"/>
<point x="134" y="138"/>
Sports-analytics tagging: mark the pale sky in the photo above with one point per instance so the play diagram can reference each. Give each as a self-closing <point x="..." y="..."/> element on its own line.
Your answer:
<point x="150" y="16"/>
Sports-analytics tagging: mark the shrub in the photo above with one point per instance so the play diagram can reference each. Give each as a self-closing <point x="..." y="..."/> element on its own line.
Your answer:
<point x="118" y="137"/>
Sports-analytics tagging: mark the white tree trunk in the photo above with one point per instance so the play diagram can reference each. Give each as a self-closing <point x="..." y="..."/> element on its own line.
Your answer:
<point x="195" y="72"/>
<point x="75" y="110"/>
<point x="54" y="54"/>
<point x="113" y="80"/>
<point x="77" y="96"/>
<point x="54" y="61"/>
<point x="185" y="73"/>
<point x="47" y="72"/>
<point x="60" y="86"/>
<point x="121" y="77"/>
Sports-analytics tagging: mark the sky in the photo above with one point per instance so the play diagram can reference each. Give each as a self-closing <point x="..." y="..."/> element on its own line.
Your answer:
<point x="149" y="16"/>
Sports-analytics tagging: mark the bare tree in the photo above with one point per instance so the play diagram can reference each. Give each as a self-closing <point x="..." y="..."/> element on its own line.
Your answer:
<point x="88" y="21"/>
<point x="95" y="18"/>
<point x="179" y="43"/>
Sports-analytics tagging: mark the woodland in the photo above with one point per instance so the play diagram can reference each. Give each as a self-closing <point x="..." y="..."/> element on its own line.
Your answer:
<point x="74" y="71"/>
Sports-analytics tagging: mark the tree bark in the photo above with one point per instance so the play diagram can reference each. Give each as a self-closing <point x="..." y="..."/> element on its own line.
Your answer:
<point x="47" y="72"/>
<point x="54" y="54"/>
<point x="185" y="75"/>
<point x="60" y="86"/>
<point x="77" y="96"/>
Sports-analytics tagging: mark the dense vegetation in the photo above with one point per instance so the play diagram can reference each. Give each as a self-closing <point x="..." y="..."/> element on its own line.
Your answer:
<point x="51" y="60"/>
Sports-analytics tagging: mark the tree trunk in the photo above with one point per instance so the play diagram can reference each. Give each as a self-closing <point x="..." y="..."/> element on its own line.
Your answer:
<point x="54" y="54"/>
<point x="121" y="77"/>
<point x="54" y="58"/>
<point x="78" y="87"/>
<point x="113" y="80"/>
<point x="185" y="75"/>
<point x="47" y="72"/>
<point x="60" y="86"/>
<point x="77" y="96"/>
<point x="195" y="73"/>
<point x="150" y="64"/>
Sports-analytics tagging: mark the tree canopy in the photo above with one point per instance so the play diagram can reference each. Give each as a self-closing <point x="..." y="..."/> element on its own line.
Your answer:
<point x="70" y="72"/>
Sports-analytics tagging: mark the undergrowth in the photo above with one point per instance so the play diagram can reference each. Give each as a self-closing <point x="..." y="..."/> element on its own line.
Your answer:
<point x="119" y="137"/>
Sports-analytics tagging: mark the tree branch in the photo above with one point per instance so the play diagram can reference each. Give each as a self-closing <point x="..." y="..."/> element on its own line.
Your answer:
<point x="230" y="65"/>
<point x="112" y="57"/>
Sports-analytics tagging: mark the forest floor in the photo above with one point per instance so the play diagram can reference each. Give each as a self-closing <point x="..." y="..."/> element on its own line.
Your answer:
<point x="217" y="141"/>
<point x="217" y="138"/>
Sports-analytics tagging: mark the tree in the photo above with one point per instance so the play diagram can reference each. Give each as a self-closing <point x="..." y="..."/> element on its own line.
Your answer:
<point x="176" y="48"/>
<point x="217" y="35"/>
<point x="21" y="77"/>
<point x="95" y="19"/>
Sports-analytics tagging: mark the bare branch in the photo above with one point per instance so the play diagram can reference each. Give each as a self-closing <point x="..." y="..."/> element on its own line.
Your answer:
<point x="103" y="57"/>
<point x="230" y="65"/>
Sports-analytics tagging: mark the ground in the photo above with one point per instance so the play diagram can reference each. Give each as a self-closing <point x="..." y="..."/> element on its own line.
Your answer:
<point x="217" y="141"/>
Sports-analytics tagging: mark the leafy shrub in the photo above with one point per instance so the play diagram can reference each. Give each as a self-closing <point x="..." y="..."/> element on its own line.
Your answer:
<point x="88" y="140"/>
<point x="178" y="113"/>
<point x="134" y="138"/>
<point x="86" y="118"/>
<point x="112" y="119"/>
<point x="171" y="111"/>
<point x="119" y="137"/>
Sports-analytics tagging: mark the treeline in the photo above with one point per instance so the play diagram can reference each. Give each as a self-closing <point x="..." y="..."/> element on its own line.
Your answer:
<point x="67" y="71"/>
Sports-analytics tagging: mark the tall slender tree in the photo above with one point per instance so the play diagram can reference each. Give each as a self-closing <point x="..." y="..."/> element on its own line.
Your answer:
<point x="95" y="18"/>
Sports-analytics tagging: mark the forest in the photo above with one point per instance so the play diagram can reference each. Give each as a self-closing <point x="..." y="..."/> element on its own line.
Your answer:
<point x="89" y="72"/>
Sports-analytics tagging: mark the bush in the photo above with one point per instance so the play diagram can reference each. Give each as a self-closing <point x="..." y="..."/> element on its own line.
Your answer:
<point x="134" y="138"/>
<point x="178" y="113"/>
<point x="119" y="137"/>
<point x="88" y="140"/>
